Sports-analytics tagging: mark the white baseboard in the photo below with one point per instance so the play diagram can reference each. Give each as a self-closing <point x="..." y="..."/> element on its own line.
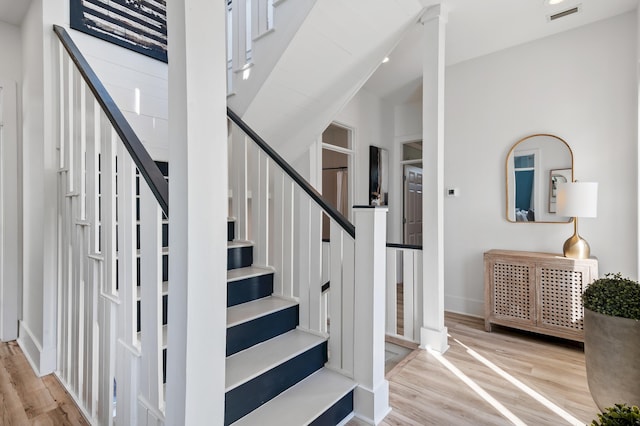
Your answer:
<point x="461" y="305"/>
<point x="30" y="347"/>
<point x="43" y="363"/>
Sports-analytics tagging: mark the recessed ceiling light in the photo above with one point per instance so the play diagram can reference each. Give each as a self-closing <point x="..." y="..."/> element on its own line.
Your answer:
<point x="554" y="2"/>
<point x="385" y="60"/>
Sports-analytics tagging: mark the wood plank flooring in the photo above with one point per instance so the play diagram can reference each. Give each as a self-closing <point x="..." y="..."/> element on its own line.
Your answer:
<point x="26" y="399"/>
<point x="500" y="378"/>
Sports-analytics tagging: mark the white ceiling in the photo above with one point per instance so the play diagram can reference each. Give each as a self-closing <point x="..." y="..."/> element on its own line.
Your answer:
<point x="474" y="28"/>
<point x="480" y="27"/>
<point x="12" y="11"/>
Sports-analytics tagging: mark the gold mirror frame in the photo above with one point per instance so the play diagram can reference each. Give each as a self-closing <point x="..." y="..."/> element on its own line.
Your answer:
<point x="547" y="173"/>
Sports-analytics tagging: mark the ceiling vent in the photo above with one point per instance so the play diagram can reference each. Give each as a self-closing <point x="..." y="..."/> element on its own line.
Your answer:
<point x="564" y="13"/>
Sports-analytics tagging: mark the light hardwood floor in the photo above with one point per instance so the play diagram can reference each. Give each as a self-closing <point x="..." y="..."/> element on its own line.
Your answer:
<point x="26" y="399"/>
<point x="500" y="378"/>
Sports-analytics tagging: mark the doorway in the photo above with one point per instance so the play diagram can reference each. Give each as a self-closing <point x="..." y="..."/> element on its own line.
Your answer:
<point x="336" y="172"/>
<point x="412" y="194"/>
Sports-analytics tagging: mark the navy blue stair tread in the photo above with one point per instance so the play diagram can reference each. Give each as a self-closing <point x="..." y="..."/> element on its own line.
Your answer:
<point x="256" y="360"/>
<point x="246" y="312"/>
<point x="303" y="403"/>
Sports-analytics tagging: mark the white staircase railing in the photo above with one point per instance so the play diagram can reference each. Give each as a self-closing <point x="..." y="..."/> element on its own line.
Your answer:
<point x="106" y="265"/>
<point x="403" y="316"/>
<point x="404" y="292"/>
<point x="284" y="221"/>
<point x="282" y="214"/>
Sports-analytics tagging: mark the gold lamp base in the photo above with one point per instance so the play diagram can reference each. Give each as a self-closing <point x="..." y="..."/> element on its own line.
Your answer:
<point x="576" y="247"/>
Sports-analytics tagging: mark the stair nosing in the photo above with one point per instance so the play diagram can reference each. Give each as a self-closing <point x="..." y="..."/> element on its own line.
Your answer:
<point x="344" y="388"/>
<point x="247" y="272"/>
<point x="239" y="243"/>
<point x="283" y="304"/>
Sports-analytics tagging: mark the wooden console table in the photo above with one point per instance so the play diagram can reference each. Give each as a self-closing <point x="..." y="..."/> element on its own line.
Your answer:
<point x="538" y="292"/>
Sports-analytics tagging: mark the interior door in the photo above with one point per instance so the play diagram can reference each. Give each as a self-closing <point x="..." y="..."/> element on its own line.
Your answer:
<point x="412" y="204"/>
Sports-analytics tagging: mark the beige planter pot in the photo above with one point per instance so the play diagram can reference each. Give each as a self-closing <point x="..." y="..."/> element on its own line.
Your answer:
<point x="612" y="355"/>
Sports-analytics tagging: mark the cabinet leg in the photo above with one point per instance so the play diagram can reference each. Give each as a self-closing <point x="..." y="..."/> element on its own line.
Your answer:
<point x="487" y="326"/>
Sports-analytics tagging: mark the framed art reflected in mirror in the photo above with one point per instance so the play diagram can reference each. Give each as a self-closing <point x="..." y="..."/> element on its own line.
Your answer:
<point x="378" y="176"/>
<point x="555" y="177"/>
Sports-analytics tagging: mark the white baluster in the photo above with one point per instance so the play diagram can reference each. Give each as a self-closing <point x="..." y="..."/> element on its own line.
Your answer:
<point x="392" y="291"/>
<point x="239" y="182"/>
<point x="151" y="287"/>
<point x="315" y="267"/>
<point x="418" y="296"/>
<point x="92" y="268"/>
<point x="108" y="301"/>
<point x="301" y="250"/>
<point x="289" y="222"/>
<point x="408" y="297"/>
<point x="336" y="337"/>
<point x="127" y="353"/>
<point x="277" y="258"/>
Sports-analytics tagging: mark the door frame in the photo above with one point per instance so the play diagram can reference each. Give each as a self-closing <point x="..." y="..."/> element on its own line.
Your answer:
<point x="350" y="152"/>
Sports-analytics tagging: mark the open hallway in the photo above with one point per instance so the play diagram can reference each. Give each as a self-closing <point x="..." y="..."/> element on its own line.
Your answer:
<point x="500" y="378"/>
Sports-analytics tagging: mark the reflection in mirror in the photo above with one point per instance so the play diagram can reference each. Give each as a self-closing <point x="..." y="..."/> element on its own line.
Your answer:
<point x="534" y="166"/>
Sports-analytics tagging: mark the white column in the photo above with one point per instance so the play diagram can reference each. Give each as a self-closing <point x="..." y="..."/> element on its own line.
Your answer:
<point x="38" y="326"/>
<point x="9" y="237"/>
<point x="371" y="396"/>
<point x="197" y="217"/>
<point x="433" y="333"/>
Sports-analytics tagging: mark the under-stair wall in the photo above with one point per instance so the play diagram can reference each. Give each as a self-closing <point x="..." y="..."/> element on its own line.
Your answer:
<point x="273" y="24"/>
<point x="330" y="57"/>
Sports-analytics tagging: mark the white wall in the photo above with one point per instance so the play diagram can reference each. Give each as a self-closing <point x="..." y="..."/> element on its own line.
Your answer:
<point x="10" y="250"/>
<point x="122" y="71"/>
<point x="579" y="85"/>
<point x="10" y="46"/>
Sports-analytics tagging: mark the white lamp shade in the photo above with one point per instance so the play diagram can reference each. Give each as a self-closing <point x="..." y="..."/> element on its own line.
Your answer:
<point x="577" y="199"/>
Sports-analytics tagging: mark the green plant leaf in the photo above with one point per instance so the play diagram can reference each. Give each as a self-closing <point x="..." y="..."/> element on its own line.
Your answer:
<point x="613" y="295"/>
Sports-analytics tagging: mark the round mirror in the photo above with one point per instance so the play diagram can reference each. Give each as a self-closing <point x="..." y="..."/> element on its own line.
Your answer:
<point x="535" y="165"/>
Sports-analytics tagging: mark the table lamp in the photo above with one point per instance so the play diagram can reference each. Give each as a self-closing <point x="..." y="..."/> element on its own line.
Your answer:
<point x="577" y="199"/>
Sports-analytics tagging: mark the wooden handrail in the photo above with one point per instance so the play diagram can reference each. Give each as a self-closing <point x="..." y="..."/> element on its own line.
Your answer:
<point x="306" y="186"/>
<point x="143" y="161"/>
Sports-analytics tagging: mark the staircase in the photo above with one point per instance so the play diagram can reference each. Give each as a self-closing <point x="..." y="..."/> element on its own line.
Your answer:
<point x="281" y="366"/>
<point x="275" y="372"/>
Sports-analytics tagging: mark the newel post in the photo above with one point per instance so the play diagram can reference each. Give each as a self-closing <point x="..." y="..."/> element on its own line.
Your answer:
<point x="371" y="396"/>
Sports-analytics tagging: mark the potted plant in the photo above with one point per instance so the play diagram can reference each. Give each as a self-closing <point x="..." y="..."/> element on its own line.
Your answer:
<point x="618" y="415"/>
<point x="612" y="340"/>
